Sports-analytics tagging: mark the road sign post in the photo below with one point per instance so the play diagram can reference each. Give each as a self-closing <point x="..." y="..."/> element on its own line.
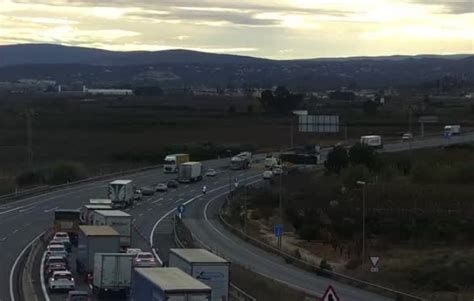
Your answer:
<point x="278" y="230"/>
<point x="181" y="210"/>
<point x="374" y="260"/>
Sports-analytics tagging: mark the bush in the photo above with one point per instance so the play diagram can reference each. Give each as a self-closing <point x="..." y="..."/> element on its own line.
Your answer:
<point x="351" y="175"/>
<point x="29" y="178"/>
<point x="308" y="232"/>
<point x="58" y="173"/>
<point x="325" y="265"/>
<point x="362" y="154"/>
<point x="337" y="160"/>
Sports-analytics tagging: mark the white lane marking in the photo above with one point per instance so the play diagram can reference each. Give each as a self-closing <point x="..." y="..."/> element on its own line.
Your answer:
<point x="215" y="182"/>
<point x="26" y="209"/>
<point x="13" y="209"/>
<point x="14" y="231"/>
<point x="149" y="209"/>
<point x="181" y="194"/>
<point x="27" y="224"/>
<point x="140" y="215"/>
<point x="2" y="239"/>
<point x="50" y="209"/>
<point x="154" y="202"/>
<point x="178" y="200"/>
<point x="152" y="233"/>
<point x="12" y="271"/>
<point x="192" y="190"/>
<point x="43" y="285"/>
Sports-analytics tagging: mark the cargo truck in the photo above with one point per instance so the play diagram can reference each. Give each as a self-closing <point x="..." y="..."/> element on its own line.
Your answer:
<point x="167" y="284"/>
<point x="100" y="202"/>
<point x="203" y="265"/>
<point x="68" y="220"/>
<point x="121" y="192"/>
<point x="190" y="172"/>
<point x="172" y="162"/>
<point x="119" y="220"/>
<point x="112" y="273"/>
<point x="241" y="161"/>
<point x="87" y="212"/>
<point x="95" y="239"/>
<point x="452" y="130"/>
<point x="374" y="141"/>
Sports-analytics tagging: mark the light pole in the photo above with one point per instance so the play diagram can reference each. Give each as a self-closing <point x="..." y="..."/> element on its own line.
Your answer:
<point x="363" y="184"/>
<point x="229" y="152"/>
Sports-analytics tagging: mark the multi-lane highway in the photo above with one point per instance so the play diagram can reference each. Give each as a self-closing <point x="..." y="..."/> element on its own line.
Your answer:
<point x="22" y="221"/>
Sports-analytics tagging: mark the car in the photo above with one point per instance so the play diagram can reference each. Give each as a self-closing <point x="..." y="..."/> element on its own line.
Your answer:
<point x="407" y="137"/>
<point x="56" y="250"/>
<point x="61" y="280"/>
<point x="137" y="195"/>
<point x="78" y="296"/>
<point x="56" y="260"/>
<point x="49" y="270"/>
<point x="211" y="173"/>
<point x="145" y="259"/>
<point x="162" y="187"/>
<point x="62" y="236"/>
<point x="147" y="190"/>
<point x="277" y="170"/>
<point x="172" y="184"/>
<point x="267" y="175"/>
<point x="66" y="245"/>
<point x="134" y="251"/>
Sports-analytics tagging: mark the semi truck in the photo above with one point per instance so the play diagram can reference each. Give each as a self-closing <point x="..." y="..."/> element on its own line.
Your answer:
<point x="119" y="220"/>
<point x="203" y="265"/>
<point x="87" y="212"/>
<point x="112" y="273"/>
<point x="167" y="284"/>
<point x="121" y="192"/>
<point x="190" y="172"/>
<point x="95" y="239"/>
<point x="68" y="220"/>
<point x="241" y="161"/>
<point x="172" y="162"/>
<point x="452" y="130"/>
<point x="374" y="141"/>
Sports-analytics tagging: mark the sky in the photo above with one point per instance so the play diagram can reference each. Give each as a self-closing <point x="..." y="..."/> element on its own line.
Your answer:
<point x="278" y="29"/>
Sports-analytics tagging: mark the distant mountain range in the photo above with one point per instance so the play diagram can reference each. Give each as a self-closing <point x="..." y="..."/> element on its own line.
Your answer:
<point x="184" y="68"/>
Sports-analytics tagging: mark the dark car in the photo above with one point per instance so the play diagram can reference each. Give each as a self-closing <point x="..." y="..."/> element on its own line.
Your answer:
<point x="172" y="184"/>
<point x="147" y="190"/>
<point x="78" y="296"/>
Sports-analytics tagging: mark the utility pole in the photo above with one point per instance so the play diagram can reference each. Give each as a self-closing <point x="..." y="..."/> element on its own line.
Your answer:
<point x="281" y="209"/>
<point x="230" y="176"/>
<point x="291" y="133"/>
<point x="29" y="113"/>
<point x="363" y="184"/>
<point x="245" y="206"/>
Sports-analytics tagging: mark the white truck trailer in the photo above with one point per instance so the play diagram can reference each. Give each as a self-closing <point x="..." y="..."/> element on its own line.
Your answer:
<point x="452" y="130"/>
<point x="172" y="162"/>
<point x="374" y="141"/>
<point x="203" y="265"/>
<point x="112" y="273"/>
<point x="121" y="192"/>
<point x="119" y="220"/>
<point x="167" y="284"/>
<point x="190" y="172"/>
<point x="241" y="161"/>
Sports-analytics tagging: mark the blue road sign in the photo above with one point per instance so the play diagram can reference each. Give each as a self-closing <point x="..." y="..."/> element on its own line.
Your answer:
<point x="181" y="208"/>
<point x="278" y="230"/>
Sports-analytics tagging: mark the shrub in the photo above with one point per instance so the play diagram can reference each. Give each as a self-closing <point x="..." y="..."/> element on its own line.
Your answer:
<point x="353" y="264"/>
<point x="63" y="172"/>
<point x="308" y="232"/>
<point x="337" y="160"/>
<point x="325" y="265"/>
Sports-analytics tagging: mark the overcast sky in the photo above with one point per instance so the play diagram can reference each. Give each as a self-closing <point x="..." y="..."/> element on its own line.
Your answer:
<point x="266" y="28"/>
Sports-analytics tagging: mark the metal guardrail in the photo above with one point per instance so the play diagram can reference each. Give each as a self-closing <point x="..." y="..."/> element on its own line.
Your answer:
<point x="321" y="272"/>
<point x="48" y="188"/>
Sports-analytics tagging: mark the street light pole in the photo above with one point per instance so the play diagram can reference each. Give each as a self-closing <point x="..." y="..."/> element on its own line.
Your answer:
<point x="230" y="177"/>
<point x="281" y="209"/>
<point x="363" y="184"/>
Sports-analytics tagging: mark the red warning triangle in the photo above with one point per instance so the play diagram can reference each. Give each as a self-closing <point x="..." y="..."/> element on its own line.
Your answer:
<point x="330" y="295"/>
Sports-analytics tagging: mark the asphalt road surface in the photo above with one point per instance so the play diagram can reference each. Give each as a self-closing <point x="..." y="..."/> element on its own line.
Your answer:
<point x="22" y="221"/>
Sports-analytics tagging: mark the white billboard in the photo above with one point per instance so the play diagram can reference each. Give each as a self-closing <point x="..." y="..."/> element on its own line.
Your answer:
<point x="319" y="124"/>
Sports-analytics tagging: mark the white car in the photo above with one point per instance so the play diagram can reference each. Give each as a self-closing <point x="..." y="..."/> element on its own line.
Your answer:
<point x="267" y="174"/>
<point x="134" y="251"/>
<point x="407" y="137"/>
<point x="162" y="187"/>
<point x="145" y="259"/>
<point x="56" y="250"/>
<point x="211" y="173"/>
<point x="277" y="171"/>
<point x="62" y="236"/>
<point x="61" y="280"/>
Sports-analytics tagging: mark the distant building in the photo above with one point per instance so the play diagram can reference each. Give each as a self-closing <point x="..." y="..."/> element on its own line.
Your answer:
<point x="107" y="92"/>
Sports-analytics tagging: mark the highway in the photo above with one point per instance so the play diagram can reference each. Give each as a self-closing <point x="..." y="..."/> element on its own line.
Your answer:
<point x="22" y="221"/>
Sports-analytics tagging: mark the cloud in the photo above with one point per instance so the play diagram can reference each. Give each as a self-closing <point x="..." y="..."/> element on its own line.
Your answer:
<point x="450" y="6"/>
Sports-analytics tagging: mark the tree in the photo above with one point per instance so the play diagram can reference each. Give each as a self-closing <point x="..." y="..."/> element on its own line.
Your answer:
<point x="370" y="107"/>
<point x="266" y="99"/>
<point x="362" y="154"/>
<point x="337" y="159"/>
<point x="281" y="101"/>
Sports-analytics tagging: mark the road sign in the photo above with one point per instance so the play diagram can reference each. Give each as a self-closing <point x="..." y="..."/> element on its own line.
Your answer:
<point x="330" y="295"/>
<point x="181" y="209"/>
<point x="374" y="260"/>
<point x="318" y="123"/>
<point x="278" y="230"/>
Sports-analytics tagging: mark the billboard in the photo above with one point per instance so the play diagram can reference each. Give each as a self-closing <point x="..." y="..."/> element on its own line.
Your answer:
<point x="319" y="124"/>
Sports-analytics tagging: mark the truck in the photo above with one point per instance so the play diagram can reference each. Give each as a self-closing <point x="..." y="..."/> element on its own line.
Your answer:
<point x="172" y="162"/>
<point x="121" y="192"/>
<point x="270" y="162"/>
<point x="167" y="284"/>
<point x="374" y="141"/>
<point x="100" y="202"/>
<point x="68" y="220"/>
<point x="203" y="265"/>
<point x="119" y="220"/>
<point x="87" y="212"/>
<point x="452" y="130"/>
<point x="95" y="239"/>
<point x="112" y="273"/>
<point x="190" y="172"/>
<point x="241" y="161"/>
